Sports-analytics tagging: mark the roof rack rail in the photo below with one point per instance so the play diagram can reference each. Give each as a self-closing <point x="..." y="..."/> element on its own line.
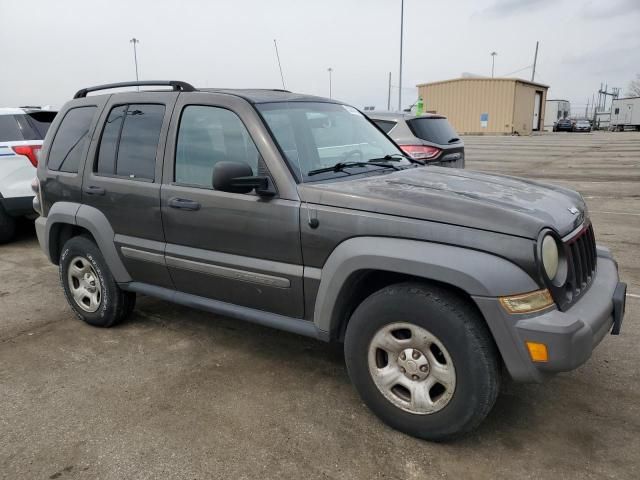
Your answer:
<point x="176" y="86"/>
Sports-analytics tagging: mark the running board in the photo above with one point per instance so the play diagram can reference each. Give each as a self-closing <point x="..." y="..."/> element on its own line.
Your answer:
<point x="267" y="319"/>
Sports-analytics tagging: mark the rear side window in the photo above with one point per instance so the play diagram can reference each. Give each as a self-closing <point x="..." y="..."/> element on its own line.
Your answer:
<point x="9" y="129"/>
<point x="385" y="125"/>
<point x="208" y="135"/>
<point x="130" y="140"/>
<point x="436" y="130"/>
<point x="71" y="139"/>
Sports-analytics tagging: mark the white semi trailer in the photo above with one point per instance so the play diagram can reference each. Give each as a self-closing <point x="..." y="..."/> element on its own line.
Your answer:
<point x="625" y="114"/>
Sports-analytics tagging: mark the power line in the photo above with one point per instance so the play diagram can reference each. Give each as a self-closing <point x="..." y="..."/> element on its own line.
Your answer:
<point x="517" y="71"/>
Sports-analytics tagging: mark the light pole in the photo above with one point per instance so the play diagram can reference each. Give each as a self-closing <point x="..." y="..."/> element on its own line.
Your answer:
<point x="330" y="70"/>
<point x="493" y="62"/>
<point x="400" y="73"/>
<point x="135" y="55"/>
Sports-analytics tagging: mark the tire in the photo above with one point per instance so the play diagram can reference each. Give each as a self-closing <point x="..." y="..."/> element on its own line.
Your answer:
<point x="89" y="287"/>
<point x="7" y="226"/>
<point x="453" y="339"/>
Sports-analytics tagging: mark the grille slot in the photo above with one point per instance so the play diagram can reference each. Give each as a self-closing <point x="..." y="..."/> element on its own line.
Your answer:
<point x="581" y="264"/>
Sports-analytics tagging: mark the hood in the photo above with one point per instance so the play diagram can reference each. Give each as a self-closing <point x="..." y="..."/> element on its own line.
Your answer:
<point x="497" y="203"/>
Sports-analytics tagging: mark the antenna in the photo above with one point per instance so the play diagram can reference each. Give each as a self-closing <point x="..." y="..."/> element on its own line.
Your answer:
<point x="275" y="44"/>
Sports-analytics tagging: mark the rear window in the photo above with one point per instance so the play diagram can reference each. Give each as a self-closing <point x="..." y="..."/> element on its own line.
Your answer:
<point x="436" y="130"/>
<point x="41" y="121"/>
<point x="30" y="126"/>
<point x="9" y="129"/>
<point x="385" y="125"/>
<point x="71" y="139"/>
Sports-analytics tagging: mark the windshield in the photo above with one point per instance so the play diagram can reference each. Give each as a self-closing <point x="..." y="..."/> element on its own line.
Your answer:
<point x="315" y="136"/>
<point x="436" y="130"/>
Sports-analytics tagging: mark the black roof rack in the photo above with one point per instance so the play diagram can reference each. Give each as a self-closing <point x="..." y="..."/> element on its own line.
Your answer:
<point x="176" y="86"/>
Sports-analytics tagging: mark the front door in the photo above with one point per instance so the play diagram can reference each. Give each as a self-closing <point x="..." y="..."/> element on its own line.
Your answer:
<point x="123" y="175"/>
<point x="537" y="105"/>
<point x="628" y="114"/>
<point x="237" y="248"/>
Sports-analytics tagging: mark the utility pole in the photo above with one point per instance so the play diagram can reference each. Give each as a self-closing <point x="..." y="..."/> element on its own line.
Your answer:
<point x="330" y="70"/>
<point x="135" y="56"/>
<point x="389" y="94"/>
<point x="603" y="94"/>
<point x="535" y="60"/>
<point x="493" y="62"/>
<point x="400" y="73"/>
<point x="275" y="44"/>
<point x="586" y="110"/>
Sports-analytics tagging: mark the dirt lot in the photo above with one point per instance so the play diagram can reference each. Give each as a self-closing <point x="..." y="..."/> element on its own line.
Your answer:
<point x="177" y="393"/>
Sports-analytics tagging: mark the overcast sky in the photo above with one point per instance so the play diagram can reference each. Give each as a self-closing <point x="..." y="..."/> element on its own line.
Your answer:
<point x="49" y="49"/>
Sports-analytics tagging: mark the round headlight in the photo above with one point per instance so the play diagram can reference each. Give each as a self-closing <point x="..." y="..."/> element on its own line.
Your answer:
<point x="550" y="257"/>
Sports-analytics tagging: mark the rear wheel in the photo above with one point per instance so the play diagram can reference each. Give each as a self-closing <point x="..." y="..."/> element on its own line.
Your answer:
<point x="423" y="360"/>
<point x="7" y="226"/>
<point x="89" y="286"/>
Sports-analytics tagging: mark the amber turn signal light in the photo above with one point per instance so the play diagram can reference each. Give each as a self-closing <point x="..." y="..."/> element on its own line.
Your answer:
<point x="538" y="351"/>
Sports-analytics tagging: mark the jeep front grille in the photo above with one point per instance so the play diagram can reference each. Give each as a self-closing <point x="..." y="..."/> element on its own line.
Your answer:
<point x="580" y="251"/>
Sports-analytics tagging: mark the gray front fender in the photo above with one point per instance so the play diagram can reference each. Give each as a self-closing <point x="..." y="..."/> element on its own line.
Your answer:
<point x="477" y="273"/>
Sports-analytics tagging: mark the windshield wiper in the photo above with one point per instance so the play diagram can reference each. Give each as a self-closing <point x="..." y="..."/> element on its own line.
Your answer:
<point x="397" y="157"/>
<point x="340" y="166"/>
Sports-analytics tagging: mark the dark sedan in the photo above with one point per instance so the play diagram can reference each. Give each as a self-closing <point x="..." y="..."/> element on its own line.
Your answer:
<point x="563" y="125"/>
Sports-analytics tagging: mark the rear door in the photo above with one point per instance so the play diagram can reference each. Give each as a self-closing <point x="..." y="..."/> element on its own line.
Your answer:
<point x="123" y="176"/>
<point x="233" y="247"/>
<point x="628" y="114"/>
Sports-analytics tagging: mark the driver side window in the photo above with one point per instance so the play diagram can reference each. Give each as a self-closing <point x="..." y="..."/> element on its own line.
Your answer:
<point x="206" y="136"/>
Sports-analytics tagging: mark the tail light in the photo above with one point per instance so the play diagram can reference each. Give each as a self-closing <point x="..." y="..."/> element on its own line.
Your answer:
<point x="29" y="151"/>
<point x="37" y="200"/>
<point x="421" y="152"/>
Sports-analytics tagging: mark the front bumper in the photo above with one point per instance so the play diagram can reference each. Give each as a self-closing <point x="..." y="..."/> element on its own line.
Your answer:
<point x="570" y="336"/>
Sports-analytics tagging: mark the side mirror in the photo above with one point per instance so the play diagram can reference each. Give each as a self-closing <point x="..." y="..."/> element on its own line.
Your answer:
<point x="237" y="177"/>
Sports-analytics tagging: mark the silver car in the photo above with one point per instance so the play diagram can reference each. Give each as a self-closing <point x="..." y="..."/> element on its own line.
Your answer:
<point x="582" y="126"/>
<point x="428" y="137"/>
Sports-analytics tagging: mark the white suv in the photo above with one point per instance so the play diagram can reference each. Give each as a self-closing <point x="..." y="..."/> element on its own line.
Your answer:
<point x="21" y="133"/>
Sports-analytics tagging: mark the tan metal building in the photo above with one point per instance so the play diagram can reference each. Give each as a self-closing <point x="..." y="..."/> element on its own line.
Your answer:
<point x="487" y="105"/>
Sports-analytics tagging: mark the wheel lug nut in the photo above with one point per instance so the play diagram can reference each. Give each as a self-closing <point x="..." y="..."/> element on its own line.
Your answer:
<point x="423" y="368"/>
<point x="415" y="354"/>
<point x="415" y="377"/>
<point x="403" y="356"/>
<point x="402" y="369"/>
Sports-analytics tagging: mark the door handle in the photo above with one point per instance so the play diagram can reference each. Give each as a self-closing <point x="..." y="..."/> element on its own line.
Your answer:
<point x="93" y="190"/>
<point x="183" y="204"/>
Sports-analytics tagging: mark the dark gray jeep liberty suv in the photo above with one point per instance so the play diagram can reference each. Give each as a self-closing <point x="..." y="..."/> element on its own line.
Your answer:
<point x="298" y="213"/>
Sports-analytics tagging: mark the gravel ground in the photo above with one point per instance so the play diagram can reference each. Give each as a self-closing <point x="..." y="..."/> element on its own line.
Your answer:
<point x="177" y="393"/>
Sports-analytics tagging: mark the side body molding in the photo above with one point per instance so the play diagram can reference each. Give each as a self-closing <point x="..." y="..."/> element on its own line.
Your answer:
<point x="96" y="223"/>
<point x="475" y="272"/>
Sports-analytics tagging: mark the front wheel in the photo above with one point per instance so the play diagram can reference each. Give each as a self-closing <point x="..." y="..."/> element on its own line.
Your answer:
<point x="423" y="360"/>
<point x="89" y="287"/>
